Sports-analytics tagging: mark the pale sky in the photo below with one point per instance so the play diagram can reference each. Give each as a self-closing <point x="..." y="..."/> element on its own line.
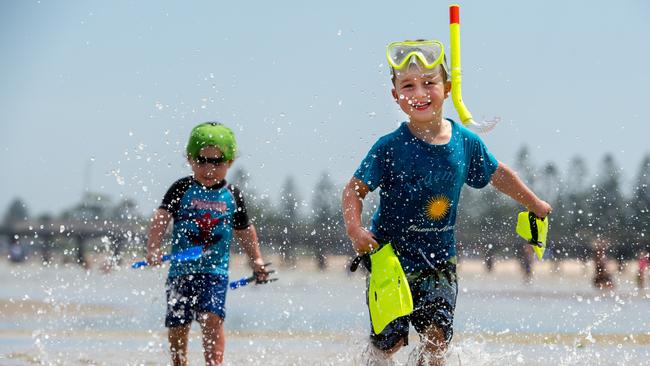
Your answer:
<point x="116" y="86"/>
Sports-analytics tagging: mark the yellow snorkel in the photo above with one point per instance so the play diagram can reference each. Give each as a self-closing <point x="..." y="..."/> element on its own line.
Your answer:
<point x="456" y="74"/>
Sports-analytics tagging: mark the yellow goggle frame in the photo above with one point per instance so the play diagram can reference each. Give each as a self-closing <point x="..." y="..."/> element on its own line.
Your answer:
<point x="430" y="53"/>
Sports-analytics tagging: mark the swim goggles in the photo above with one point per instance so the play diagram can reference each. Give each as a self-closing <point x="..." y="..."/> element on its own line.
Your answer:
<point x="430" y="53"/>
<point x="202" y="160"/>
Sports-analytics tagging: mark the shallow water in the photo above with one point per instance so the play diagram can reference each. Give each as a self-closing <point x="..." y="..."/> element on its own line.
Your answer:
<point x="66" y="316"/>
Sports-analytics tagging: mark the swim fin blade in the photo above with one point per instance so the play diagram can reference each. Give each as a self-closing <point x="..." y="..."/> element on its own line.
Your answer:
<point x="534" y="230"/>
<point x="389" y="294"/>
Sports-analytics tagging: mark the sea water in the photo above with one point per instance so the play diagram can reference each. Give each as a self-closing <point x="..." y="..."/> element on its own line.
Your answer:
<point x="64" y="315"/>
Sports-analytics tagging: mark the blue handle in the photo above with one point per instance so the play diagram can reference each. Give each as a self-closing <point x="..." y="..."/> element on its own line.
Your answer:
<point x="139" y="264"/>
<point x="241" y="282"/>
<point x="183" y="256"/>
<point x="246" y="280"/>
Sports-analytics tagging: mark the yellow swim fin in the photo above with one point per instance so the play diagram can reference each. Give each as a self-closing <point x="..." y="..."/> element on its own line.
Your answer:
<point x="534" y="230"/>
<point x="389" y="294"/>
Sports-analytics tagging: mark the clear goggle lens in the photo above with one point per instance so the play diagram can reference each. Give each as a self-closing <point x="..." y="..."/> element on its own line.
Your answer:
<point x="429" y="53"/>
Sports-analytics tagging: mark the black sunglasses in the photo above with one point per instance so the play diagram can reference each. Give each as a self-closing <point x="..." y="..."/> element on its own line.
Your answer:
<point x="203" y="160"/>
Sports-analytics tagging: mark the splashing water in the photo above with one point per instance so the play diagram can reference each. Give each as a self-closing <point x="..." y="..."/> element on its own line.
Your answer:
<point x="67" y="316"/>
<point x="485" y="126"/>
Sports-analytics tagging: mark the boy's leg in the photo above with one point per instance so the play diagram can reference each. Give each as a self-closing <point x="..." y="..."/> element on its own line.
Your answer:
<point x="434" y="347"/>
<point x="214" y="340"/>
<point x="434" y="297"/>
<point x="211" y="312"/>
<point x="375" y="356"/>
<point x="383" y="345"/>
<point x="179" y="317"/>
<point x="178" y="337"/>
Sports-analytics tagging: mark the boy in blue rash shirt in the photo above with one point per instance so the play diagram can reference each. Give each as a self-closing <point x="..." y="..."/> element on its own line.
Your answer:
<point x="207" y="212"/>
<point x="420" y="169"/>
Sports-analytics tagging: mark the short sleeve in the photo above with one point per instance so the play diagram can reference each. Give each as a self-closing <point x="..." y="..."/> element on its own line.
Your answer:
<point x="371" y="169"/>
<point x="172" y="200"/>
<point x="482" y="164"/>
<point x="240" y="217"/>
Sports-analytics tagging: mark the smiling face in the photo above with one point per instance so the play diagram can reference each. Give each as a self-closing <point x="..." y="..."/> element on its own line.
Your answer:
<point x="206" y="169"/>
<point x="420" y="93"/>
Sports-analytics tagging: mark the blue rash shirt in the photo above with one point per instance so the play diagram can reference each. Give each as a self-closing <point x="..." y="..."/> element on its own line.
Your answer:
<point x="204" y="216"/>
<point x="420" y="184"/>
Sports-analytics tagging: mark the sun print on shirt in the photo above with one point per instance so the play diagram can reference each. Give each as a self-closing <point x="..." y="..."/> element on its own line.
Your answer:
<point x="437" y="207"/>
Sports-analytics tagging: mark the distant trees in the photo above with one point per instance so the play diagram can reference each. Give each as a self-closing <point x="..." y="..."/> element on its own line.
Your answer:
<point x="17" y="211"/>
<point x="639" y="208"/>
<point x="289" y="221"/>
<point x="606" y="200"/>
<point x="327" y="220"/>
<point x="586" y="209"/>
<point x="570" y="215"/>
<point x="287" y="228"/>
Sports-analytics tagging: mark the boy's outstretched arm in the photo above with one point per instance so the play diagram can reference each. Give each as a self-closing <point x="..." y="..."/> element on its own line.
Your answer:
<point x="159" y="222"/>
<point x="247" y="239"/>
<point x="353" y="194"/>
<point x="507" y="181"/>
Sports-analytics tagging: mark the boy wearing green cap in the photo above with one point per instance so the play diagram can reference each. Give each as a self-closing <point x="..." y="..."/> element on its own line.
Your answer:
<point x="207" y="212"/>
<point x="420" y="169"/>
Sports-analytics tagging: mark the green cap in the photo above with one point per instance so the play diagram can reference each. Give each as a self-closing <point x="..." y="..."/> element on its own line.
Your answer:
<point x="212" y="134"/>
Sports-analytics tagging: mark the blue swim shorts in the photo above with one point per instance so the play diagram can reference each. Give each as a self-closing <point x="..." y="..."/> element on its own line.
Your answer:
<point x="434" y="301"/>
<point x="188" y="296"/>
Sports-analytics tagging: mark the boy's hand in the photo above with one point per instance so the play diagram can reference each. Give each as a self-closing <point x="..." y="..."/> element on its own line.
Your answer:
<point x="541" y="209"/>
<point x="260" y="271"/>
<point x="154" y="258"/>
<point x="362" y="240"/>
